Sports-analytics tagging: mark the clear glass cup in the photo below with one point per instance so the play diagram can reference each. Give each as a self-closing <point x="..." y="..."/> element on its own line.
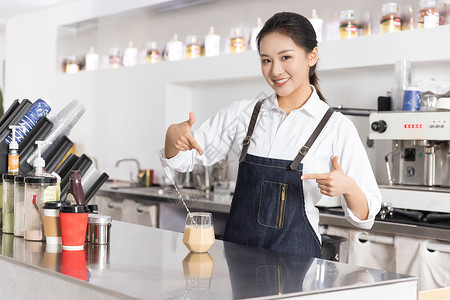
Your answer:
<point x="199" y="232"/>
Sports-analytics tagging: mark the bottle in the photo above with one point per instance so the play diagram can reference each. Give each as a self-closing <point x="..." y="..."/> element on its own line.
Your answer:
<point x="152" y="55"/>
<point x="38" y="110"/>
<point x="428" y="16"/>
<point x="407" y="18"/>
<point x="8" y="203"/>
<point x="19" y="208"/>
<point x="347" y="27"/>
<point x="390" y="21"/>
<point x="174" y="49"/>
<point x="75" y="193"/>
<point x="212" y="43"/>
<point x="254" y="34"/>
<point x="365" y="24"/>
<point x="72" y="65"/>
<point x="317" y="23"/>
<point x="193" y="49"/>
<point x="13" y="155"/>
<point x="444" y="12"/>
<point x="114" y="58"/>
<point x="130" y="55"/>
<point x="92" y="59"/>
<point x="237" y="40"/>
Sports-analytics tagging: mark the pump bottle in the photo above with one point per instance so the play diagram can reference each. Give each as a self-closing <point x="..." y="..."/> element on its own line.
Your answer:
<point x="13" y="155"/>
<point x="39" y="162"/>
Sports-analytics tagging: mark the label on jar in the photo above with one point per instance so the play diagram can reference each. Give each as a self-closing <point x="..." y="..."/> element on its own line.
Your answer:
<point x="49" y="194"/>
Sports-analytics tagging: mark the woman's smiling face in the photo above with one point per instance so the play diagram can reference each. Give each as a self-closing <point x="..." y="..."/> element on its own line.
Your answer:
<point x="284" y="65"/>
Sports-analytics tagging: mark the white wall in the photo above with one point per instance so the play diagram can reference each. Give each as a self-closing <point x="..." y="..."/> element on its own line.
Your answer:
<point x="128" y="109"/>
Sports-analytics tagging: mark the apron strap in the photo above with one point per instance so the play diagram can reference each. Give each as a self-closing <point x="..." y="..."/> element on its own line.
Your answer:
<point x="251" y="126"/>
<point x="304" y="150"/>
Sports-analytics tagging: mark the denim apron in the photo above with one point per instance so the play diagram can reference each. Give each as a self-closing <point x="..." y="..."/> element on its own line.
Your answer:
<point x="268" y="207"/>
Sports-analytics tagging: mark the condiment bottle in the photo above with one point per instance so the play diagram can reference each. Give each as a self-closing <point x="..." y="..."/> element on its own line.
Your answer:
<point x="75" y="193"/>
<point x="347" y="27"/>
<point x="38" y="190"/>
<point x="130" y="55"/>
<point x="13" y="155"/>
<point x="19" y="208"/>
<point x="390" y="21"/>
<point x="72" y="64"/>
<point x="1" y="199"/>
<point x="255" y="31"/>
<point x="92" y="59"/>
<point x="115" y="60"/>
<point x="407" y="18"/>
<point x="174" y="49"/>
<point x="237" y="40"/>
<point x="317" y="24"/>
<point x="8" y="203"/>
<point x="212" y="43"/>
<point x="152" y="56"/>
<point x="193" y="49"/>
<point x="428" y="16"/>
<point x="444" y="12"/>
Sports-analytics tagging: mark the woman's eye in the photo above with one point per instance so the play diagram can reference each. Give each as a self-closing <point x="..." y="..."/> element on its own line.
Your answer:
<point x="265" y="61"/>
<point x="286" y="57"/>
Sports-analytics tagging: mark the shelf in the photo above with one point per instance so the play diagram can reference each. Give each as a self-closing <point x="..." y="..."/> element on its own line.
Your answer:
<point x="362" y="52"/>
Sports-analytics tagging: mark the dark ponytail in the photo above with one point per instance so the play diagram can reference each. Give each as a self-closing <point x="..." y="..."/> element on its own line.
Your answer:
<point x="300" y="30"/>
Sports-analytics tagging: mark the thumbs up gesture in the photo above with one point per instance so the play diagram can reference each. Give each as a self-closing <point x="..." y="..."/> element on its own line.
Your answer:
<point x="334" y="183"/>
<point x="179" y="138"/>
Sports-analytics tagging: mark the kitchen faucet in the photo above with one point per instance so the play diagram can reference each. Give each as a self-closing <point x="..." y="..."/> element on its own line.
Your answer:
<point x="138" y="168"/>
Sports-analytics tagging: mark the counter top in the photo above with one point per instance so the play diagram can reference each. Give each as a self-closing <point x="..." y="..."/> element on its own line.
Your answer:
<point x="195" y="199"/>
<point x="148" y="263"/>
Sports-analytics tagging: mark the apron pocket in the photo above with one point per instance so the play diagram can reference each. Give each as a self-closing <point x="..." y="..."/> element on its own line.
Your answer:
<point x="272" y="202"/>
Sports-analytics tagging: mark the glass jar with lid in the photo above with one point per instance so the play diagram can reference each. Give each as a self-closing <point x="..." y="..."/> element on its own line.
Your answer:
<point x="428" y="16"/>
<point x="152" y="56"/>
<point x="237" y="40"/>
<point x="348" y="28"/>
<point x="390" y="21"/>
<point x="38" y="190"/>
<point x="193" y="49"/>
<point x="19" y="208"/>
<point x="8" y="203"/>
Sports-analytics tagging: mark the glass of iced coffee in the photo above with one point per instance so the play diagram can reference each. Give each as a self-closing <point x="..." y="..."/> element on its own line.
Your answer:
<point x="199" y="232"/>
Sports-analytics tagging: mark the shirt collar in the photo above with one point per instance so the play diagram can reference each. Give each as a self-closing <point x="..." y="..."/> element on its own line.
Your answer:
<point x="313" y="107"/>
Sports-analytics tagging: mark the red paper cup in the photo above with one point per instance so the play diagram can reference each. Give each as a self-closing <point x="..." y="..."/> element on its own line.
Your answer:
<point x="73" y="221"/>
<point x="73" y="264"/>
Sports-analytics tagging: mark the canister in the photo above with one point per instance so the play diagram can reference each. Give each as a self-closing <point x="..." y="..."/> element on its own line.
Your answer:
<point x="19" y="208"/>
<point x="38" y="190"/>
<point x="99" y="229"/>
<point x="8" y="203"/>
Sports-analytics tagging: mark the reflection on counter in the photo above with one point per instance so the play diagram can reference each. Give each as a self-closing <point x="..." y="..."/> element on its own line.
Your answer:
<point x="73" y="263"/>
<point x="198" y="270"/>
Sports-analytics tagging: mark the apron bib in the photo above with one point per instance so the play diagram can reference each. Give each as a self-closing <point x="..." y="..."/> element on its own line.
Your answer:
<point x="268" y="207"/>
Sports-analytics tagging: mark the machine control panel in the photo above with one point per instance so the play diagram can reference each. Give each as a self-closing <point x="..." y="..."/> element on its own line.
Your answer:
<point x="410" y="125"/>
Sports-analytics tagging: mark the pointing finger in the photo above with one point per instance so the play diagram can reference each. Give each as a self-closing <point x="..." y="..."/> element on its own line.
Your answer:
<point x="314" y="176"/>
<point x="195" y="145"/>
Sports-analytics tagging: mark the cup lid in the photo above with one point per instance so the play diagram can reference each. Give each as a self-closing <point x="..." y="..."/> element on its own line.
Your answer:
<point x="99" y="219"/>
<point x="40" y="179"/>
<point x="74" y="209"/>
<point x="55" y="204"/>
<point x="93" y="207"/>
<point x="19" y="178"/>
<point x="8" y="176"/>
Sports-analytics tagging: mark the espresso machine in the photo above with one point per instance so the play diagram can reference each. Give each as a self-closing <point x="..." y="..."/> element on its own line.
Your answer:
<point x="418" y="165"/>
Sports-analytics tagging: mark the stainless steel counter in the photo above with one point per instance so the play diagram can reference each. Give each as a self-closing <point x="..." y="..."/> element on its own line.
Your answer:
<point x="194" y="198"/>
<point x="147" y="263"/>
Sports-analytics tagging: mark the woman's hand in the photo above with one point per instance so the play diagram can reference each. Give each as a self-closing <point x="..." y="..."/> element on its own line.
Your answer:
<point x="179" y="138"/>
<point x="336" y="183"/>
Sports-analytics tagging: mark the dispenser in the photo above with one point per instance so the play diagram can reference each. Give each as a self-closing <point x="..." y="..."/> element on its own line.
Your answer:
<point x="13" y="155"/>
<point x="39" y="162"/>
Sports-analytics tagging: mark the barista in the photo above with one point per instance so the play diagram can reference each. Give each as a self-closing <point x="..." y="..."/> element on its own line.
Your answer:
<point x="293" y="149"/>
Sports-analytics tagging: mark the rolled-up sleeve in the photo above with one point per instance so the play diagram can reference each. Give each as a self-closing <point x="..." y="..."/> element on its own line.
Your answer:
<point x="356" y="164"/>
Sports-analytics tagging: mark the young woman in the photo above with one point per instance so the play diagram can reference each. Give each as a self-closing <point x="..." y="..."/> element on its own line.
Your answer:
<point x="293" y="149"/>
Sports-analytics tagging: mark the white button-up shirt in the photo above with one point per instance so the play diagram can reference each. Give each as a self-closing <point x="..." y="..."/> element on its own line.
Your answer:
<point x="280" y="136"/>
